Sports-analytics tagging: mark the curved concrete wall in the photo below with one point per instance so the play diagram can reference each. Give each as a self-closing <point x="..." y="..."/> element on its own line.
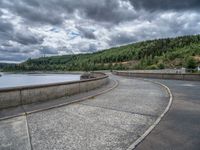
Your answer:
<point x="192" y="77"/>
<point x="10" y="97"/>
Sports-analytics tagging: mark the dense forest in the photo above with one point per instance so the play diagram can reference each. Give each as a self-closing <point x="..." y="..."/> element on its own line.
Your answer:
<point x="153" y="54"/>
<point x="4" y="66"/>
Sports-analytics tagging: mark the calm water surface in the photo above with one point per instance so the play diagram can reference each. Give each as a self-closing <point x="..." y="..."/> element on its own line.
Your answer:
<point x="15" y="80"/>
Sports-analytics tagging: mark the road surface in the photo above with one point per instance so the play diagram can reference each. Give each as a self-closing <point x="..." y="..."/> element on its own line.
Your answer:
<point x="180" y="128"/>
<point x="113" y="120"/>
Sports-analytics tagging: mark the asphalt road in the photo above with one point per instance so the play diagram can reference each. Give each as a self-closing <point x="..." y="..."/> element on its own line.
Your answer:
<point x="113" y="120"/>
<point x="180" y="127"/>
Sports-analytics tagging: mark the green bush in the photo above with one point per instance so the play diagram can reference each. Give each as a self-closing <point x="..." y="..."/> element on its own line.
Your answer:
<point x="191" y="63"/>
<point x="161" y="66"/>
<point x="152" y="67"/>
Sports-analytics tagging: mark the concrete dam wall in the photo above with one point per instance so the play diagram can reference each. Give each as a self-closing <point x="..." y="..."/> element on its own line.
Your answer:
<point x="173" y="76"/>
<point x="10" y="97"/>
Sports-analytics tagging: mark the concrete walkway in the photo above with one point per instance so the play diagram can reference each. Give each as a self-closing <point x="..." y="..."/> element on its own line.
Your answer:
<point x="180" y="128"/>
<point x="113" y="120"/>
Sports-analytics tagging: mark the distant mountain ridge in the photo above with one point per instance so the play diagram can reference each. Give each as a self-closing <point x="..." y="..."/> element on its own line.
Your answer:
<point x="152" y="54"/>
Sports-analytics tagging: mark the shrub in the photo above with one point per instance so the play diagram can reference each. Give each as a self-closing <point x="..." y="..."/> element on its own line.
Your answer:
<point x="161" y="66"/>
<point x="152" y="67"/>
<point x="191" y="63"/>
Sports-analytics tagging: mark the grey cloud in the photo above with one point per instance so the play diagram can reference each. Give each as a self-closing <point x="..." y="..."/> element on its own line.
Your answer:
<point x="12" y="54"/>
<point x="155" y="5"/>
<point x="109" y="11"/>
<point x="1" y="13"/>
<point x="48" y="50"/>
<point x="8" y="49"/>
<point x="21" y="53"/>
<point x="6" y="30"/>
<point x="122" y="38"/>
<point x="12" y="57"/>
<point x="85" y="47"/>
<point x="87" y="33"/>
<point x="162" y="25"/>
<point x="25" y="37"/>
<point x="34" y="11"/>
<point x="5" y="26"/>
<point x="4" y="37"/>
<point x="18" y="49"/>
<point x="22" y="36"/>
<point x="65" y="49"/>
<point x="93" y="47"/>
<point x="6" y="44"/>
<point x="54" y="12"/>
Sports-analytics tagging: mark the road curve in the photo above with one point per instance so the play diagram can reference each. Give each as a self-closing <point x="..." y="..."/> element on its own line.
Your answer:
<point x="113" y="120"/>
<point x="180" y="128"/>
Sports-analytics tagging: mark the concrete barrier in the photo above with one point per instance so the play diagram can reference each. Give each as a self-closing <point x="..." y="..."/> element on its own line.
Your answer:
<point x="10" y="97"/>
<point x="192" y="77"/>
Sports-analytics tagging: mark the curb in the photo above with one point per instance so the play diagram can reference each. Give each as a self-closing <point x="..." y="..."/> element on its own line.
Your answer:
<point x="116" y="83"/>
<point x="148" y="131"/>
<point x="75" y="101"/>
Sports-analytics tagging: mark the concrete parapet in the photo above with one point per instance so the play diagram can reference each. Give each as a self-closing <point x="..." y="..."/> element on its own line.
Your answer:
<point x="192" y="77"/>
<point x="10" y="97"/>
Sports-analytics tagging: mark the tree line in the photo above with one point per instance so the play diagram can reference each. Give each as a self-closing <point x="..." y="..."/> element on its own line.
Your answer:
<point x="151" y="54"/>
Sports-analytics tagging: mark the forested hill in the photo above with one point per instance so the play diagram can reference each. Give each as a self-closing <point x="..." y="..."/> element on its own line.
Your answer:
<point x="153" y="54"/>
<point x="6" y="65"/>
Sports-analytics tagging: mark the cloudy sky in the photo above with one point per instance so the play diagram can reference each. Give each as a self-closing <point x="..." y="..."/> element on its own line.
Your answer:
<point x="30" y="28"/>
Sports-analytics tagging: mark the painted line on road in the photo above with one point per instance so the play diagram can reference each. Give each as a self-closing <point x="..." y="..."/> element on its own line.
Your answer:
<point x="148" y="131"/>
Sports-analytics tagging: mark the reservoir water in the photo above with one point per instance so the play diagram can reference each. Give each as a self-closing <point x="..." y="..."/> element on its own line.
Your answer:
<point x="16" y="80"/>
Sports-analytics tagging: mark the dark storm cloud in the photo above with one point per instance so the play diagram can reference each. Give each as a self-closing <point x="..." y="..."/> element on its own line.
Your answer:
<point x="55" y="12"/>
<point x="14" y="53"/>
<point x="5" y="26"/>
<point x="87" y="33"/>
<point x="109" y="11"/>
<point x="1" y="12"/>
<point x="33" y="12"/>
<point x="154" y="5"/>
<point x="23" y="37"/>
<point x="6" y="44"/>
<point x="27" y="38"/>
<point x="6" y="30"/>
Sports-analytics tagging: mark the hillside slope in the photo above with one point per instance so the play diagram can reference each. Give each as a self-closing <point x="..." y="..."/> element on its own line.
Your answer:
<point x="153" y="54"/>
